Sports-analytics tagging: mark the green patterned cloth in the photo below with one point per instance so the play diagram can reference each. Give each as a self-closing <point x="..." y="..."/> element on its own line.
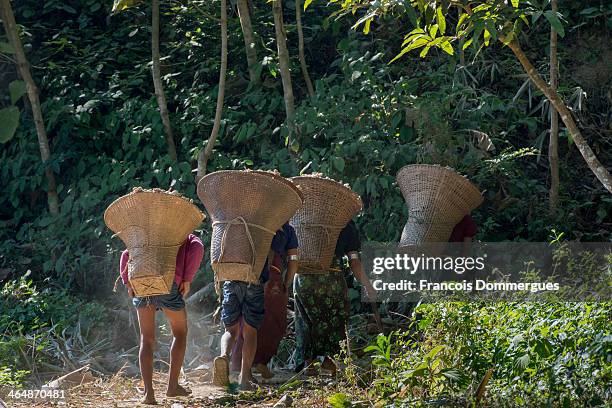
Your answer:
<point x="321" y="314"/>
<point x="321" y="303"/>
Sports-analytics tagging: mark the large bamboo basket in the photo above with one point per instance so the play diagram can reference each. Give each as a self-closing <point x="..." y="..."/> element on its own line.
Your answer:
<point x="246" y="209"/>
<point x="328" y="207"/>
<point x="153" y="224"/>
<point x="437" y="199"/>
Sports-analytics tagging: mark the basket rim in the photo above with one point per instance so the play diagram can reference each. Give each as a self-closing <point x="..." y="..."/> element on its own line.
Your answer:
<point x="408" y="169"/>
<point x="279" y="177"/>
<point x="189" y="206"/>
<point x="250" y="173"/>
<point x="356" y="198"/>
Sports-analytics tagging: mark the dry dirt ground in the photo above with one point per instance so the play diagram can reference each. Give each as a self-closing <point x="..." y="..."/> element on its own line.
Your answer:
<point x="122" y="392"/>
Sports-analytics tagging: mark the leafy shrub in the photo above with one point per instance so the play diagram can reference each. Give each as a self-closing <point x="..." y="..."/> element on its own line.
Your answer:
<point x="542" y="354"/>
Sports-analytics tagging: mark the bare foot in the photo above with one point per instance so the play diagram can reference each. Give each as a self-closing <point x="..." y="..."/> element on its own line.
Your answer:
<point x="149" y="399"/>
<point x="247" y="383"/>
<point x="178" y="391"/>
<point x="264" y="371"/>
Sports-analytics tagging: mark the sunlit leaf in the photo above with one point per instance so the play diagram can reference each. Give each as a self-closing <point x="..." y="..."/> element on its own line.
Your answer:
<point x="424" y="52"/>
<point x="120" y="5"/>
<point x="441" y="20"/>
<point x="461" y="20"/>
<point x="515" y="3"/>
<point x="306" y="4"/>
<point x="433" y="30"/>
<point x="447" y="47"/>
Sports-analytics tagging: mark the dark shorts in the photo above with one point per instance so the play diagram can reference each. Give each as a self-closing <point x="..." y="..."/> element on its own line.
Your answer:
<point x="242" y="299"/>
<point x="173" y="300"/>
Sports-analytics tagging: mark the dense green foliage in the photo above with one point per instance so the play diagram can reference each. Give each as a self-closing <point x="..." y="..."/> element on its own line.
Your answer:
<point x="540" y="355"/>
<point x="367" y="119"/>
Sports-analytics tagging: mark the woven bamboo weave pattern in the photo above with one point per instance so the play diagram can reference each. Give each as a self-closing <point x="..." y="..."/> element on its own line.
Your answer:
<point x="153" y="224"/>
<point x="246" y="209"/>
<point x="328" y="207"/>
<point x="437" y="199"/>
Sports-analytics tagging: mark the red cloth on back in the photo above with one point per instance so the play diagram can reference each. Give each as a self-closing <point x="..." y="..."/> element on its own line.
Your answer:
<point x="188" y="260"/>
<point x="466" y="228"/>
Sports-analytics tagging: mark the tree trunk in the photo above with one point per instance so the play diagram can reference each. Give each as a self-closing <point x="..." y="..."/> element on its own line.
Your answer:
<point x="553" y="143"/>
<point x="283" y="61"/>
<point x="23" y="67"/>
<point x="244" y="15"/>
<point x="205" y="153"/>
<point x="566" y="116"/>
<point x="298" y="19"/>
<point x="157" y="82"/>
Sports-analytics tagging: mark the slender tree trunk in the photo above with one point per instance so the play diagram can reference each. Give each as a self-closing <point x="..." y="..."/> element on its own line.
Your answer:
<point x="553" y="143"/>
<point x="205" y="153"/>
<point x="23" y="67"/>
<point x="298" y="19"/>
<point x="157" y="82"/>
<point x="283" y="60"/>
<point x="566" y="116"/>
<point x="249" y="39"/>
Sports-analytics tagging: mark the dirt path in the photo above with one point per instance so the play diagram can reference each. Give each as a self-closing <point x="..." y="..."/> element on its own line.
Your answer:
<point x="121" y="392"/>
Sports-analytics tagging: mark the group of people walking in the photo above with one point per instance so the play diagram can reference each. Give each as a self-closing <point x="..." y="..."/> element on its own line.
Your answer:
<point x="254" y="314"/>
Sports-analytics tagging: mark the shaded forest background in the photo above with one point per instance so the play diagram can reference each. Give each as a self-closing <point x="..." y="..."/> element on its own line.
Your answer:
<point x="366" y="119"/>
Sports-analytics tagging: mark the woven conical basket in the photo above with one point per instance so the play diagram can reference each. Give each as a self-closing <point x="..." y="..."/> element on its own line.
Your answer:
<point x="328" y="207"/>
<point x="246" y="209"/>
<point x="153" y="224"/>
<point x="437" y="199"/>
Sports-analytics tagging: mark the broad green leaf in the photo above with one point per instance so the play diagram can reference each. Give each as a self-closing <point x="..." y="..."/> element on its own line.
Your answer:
<point x="415" y="37"/>
<point x="120" y="5"/>
<point x="339" y="400"/>
<point x="9" y="117"/>
<point x="441" y="20"/>
<point x="487" y="37"/>
<point x="306" y="4"/>
<point x="447" y="47"/>
<point x="338" y="163"/>
<point x="435" y="351"/>
<point x="424" y="52"/>
<point x="554" y="21"/>
<point x="417" y="43"/>
<point x="461" y="20"/>
<point x="17" y="89"/>
<point x="467" y="43"/>
<point x="6" y="48"/>
<point x="433" y="30"/>
<point x="515" y="3"/>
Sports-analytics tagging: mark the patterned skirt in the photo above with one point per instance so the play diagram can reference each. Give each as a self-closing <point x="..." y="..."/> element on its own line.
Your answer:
<point x="321" y="314"/>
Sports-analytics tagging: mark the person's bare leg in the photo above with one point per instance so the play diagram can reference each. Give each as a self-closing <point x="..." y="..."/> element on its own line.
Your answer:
<point x="249" y="348"/>
<point x="178" y="325"/>
<point x="146" y="321"/>
<point x="229" y="338"/>
<point x="221" y="363"/>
